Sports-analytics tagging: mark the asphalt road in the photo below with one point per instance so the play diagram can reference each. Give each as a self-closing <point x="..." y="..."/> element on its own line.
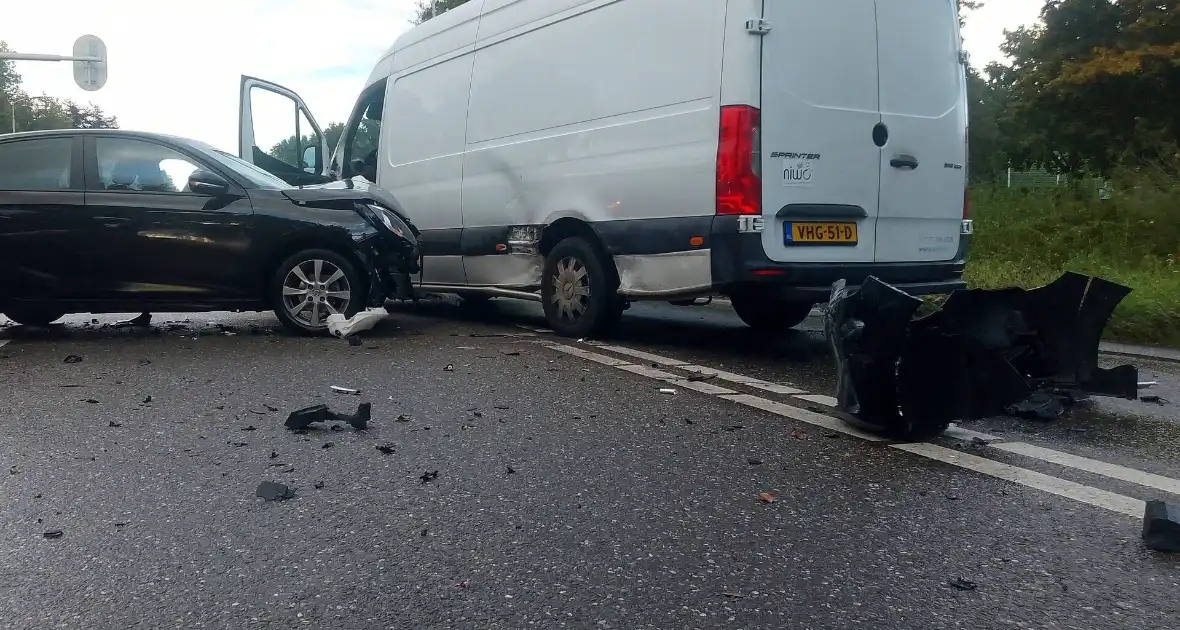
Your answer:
<point x="571" y="491"/>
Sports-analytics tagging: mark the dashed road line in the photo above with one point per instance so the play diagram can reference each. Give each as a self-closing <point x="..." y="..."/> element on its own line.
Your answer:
<point x="1117" y="503"/>
<point x="1029" y="478"/>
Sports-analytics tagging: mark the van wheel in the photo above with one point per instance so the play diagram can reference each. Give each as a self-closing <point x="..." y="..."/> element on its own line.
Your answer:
<point x="313" y="284"/>
<point x="579" y="294"/>
<point x="769" y="313"/>
<point x="33" y="316"/>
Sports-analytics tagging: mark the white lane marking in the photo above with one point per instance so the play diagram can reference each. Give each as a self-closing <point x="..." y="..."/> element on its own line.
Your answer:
<point x="819" y="399"/>
<point x="967" y="435"/>
<point x="748" y="381"/>
<point x="4" y="342"/>
<point x="1114" y="471"/>
<point x="649" y="372"/>
<point x="1029" y="478"/>
<point x="544" y="331"/>
<point x="672" y="379"/>
<point x="586" y="354"/>
<point x="639" y="354"/>
<point x="802" y="415"/>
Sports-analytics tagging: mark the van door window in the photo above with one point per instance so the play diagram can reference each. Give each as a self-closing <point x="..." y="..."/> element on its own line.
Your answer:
<point x="285" y="141"/>
<point x="363" y="135"/>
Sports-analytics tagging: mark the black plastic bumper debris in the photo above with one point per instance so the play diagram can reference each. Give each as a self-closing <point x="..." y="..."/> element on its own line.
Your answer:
<point x="302" y="418"/>
<point x="271" y="491"/>
<point x="1161" y="527"/>
<point x="982" y="353"/>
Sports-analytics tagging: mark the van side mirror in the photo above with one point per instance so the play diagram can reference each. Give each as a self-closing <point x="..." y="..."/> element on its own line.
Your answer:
<point x="309" y="159"/>
<point x="208" y="183"/>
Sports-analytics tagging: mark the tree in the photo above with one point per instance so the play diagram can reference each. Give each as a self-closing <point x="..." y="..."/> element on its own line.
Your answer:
<point x="1089" y="88"/>
<point x="440" y="7"/>
<point x="89" y="117"/>
<point x="363" y="143"/>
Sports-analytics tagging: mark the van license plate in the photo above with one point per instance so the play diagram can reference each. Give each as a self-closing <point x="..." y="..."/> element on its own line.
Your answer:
<point x="816" y="233"/>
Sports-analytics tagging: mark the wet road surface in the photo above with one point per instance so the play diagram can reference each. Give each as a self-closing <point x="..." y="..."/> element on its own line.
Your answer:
<point x="625" y="507"/>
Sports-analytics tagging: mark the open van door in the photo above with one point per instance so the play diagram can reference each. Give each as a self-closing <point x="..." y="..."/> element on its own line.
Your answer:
<point x="277" y="133"/>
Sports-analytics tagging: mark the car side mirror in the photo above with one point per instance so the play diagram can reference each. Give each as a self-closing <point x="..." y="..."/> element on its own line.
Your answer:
<point x="208" y="183"/>
<point x="309" y="159"/>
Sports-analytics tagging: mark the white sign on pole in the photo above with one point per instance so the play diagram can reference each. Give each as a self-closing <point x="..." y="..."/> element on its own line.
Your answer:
<point x="90" y="75"/>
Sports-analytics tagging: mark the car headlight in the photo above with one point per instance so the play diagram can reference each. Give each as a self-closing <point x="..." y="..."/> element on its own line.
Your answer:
<point x="387" y="219"/>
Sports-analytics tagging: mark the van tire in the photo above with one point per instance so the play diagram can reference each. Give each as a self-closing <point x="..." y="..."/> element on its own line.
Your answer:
<point x="33" y="316"/>
<point x="769" y="313"/>
<point x="352" y="281"/>
<point x="582" y="267"/>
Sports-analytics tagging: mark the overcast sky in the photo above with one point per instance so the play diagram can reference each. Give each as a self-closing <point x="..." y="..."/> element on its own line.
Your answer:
<point x="175" y="67"/>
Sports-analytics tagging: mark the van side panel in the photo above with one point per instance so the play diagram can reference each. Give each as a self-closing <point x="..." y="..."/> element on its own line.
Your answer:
<point x="924" y="105"/>
<point x="604" y="110"/>
<point x="422" y="141"/>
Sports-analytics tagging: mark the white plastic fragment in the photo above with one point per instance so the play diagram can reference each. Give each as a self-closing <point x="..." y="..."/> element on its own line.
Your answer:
<point x="668" y="391"/>
<point x="362" y="321"/>
<point x="345" y="390"/>
<point x="1146" y="384"/>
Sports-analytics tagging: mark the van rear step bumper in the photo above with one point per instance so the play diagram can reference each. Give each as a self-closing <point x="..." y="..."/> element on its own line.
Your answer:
<point x="739" y="263"/>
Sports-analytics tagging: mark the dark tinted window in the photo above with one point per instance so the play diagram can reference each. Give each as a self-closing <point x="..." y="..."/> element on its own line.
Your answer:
<point x="137" y="165"/>
<point x="41" y="164"/>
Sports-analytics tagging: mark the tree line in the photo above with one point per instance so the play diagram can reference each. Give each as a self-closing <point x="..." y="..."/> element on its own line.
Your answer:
<point x="34" y="113"/>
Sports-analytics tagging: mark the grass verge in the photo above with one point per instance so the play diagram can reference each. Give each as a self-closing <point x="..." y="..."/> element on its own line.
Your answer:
<point x="1029" y="237"/>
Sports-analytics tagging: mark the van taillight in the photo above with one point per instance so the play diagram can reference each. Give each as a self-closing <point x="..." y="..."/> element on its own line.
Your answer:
<point x="739" y="187"/>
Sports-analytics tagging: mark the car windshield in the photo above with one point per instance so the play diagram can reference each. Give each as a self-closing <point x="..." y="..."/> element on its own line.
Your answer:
<point x="251" y="173"/>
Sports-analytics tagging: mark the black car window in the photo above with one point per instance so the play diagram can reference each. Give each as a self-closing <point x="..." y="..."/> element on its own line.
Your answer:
<point x="36" y="164"/>
<point x="136" y="165"/>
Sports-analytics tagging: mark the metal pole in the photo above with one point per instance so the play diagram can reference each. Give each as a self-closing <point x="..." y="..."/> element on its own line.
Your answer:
<point x="36" y="57"/>
<point x="433" y="8"/>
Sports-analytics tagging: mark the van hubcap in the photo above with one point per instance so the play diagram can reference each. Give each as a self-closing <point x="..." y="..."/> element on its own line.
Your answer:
<point x="571" y="284"/>
<point x="314" y="289"/>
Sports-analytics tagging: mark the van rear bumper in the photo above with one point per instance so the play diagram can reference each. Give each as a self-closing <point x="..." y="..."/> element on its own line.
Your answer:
<point x="740" y="264"/>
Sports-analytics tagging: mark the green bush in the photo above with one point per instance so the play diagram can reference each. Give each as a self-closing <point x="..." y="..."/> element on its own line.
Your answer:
<point x="1028" y="237"/>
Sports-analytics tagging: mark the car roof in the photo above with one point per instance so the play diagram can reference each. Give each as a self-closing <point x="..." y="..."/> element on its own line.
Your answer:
<point x="126" y="133"/>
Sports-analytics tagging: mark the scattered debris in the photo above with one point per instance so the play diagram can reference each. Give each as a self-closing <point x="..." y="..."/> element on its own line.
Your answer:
<point x="53" y="534"/>
<point x="429" y="476"/>
<point x="1161" y="526"/>
<point x="962" y="584"/>
<point x="766" y="497"/>
<point x="270" y="408"/>
<point x="512" y="353"/>
<point x="362" y="321"/>
<point x="239" y="444"/>
<point x="978" y="441"/>
<point x="460" y="583"/>
<point x="386" y="449"/>
<point x="668" y="391"/>
<point x="274" y="454"/>
<point x="73" y="358"/>
<point x="148" y="399"/>
<point x="689" y="421"/>
<point x="734" y="595"/>
<point x="302" y="418"/>
<point x="831" y="435"/>
<point x="754" y="461"/>
<point x="511" y="470"/>
<point x="449" y="368"/>
<point x="346" y="390"/>
<point x="503" y="407"/>
<point x="1152" y="399"/>
<point x="256" y="412"/>
<point x="355" y="341"/>
<point x="318" y="485"/>
<point x="250" y="428"/>
<point x="91" y="401"/>
<point x="696" y="378"/>
<point x="979" y="353"/>
<point x="144" y="362"/>
<point x="271" y="491"/>
<point x="1041" y="406"/>
<point x="114" y="424"/>
<point x="328" y="445"/>
<point x="798" y="435"/>
<point x="403" y="418"/>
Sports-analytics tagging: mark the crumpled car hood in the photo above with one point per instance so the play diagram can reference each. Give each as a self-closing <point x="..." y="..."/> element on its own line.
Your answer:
<point x="351" y="190"/>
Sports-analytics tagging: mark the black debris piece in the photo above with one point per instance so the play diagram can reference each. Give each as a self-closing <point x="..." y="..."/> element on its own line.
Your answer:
<point x="91" y="401"/>
<point x="73" y="358"/>
<point x="120" y="524"/>
<point x="511" y="470"/>
<point x="302" y="418"/>
<point x="695" y="378"/>
<point x="250" y="428"/>
<point x="978" y="441"/>
<point x="144" y="362"/>
<point x="139" y="321"/>
<point x="335" y="427"/>
<point x="328" y="445"/>
<point x="449" y="368"/>
<point x="319" y="485"/>
<point x="386" y="449"/>
<point x="503" y="407"/>
<point x="512" y="353"/>
<point x="256" y="412"/>
<point x="403" y="418"/>
<point x="355" y="341"/>
<point x="962" y="584"/>
<point x="754" y="461"/>
<point x="114" y="424"/>
<point x="274" y="454"/>
<point x="832" y="435"/>
<point x="53" y="534"/>
<point x="979" y="353"/>
<point x="1161" y="526"/>
<point x="147" y="399"/>
<point x="1152" y="398"/>
<point x="688" y="421"/>
<point x="238" y="444"/>
<point x="425" y="532"/>
<point x="271" y="491"/>
<point x="270" y="408"/>
<point x="429" y="476"/>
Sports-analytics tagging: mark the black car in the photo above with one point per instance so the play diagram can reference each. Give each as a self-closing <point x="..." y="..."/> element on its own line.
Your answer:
<point x="107" y="221"/>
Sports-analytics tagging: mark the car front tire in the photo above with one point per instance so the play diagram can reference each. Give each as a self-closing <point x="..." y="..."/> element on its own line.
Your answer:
<point x="313" y="284"/>
<point x="578" y="291"/>
<point x="769" y="313"/>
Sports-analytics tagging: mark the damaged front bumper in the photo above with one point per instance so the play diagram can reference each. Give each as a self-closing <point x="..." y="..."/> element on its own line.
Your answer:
<point x="979" y="354"/>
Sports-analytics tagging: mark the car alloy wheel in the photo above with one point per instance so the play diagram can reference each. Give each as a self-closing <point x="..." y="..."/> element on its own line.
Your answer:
<point x="315" y="289"/>
<point x="572" y="291"/>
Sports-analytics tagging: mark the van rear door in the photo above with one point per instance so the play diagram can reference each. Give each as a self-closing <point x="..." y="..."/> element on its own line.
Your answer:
<point x="820" y="167"/>
<point x="924" y="108"/>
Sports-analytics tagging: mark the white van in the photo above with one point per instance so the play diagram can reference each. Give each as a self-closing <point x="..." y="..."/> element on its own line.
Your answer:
<point x="587" y="153"/>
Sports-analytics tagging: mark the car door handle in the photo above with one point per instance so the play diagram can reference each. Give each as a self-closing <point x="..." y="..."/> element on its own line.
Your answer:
<point x="904" y="161"/>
